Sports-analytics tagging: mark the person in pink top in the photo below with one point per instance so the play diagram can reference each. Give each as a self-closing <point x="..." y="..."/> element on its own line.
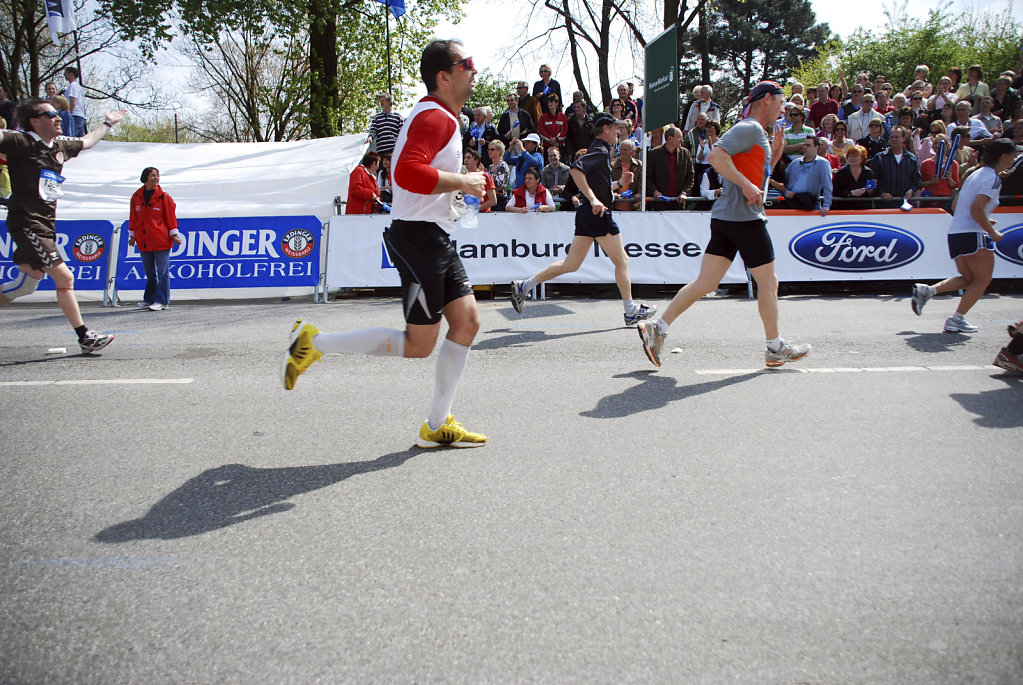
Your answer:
<point x="429" y="200"/>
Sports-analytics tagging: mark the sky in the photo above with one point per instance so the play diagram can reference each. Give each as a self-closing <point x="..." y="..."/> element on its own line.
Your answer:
<point x="491" y="48"/>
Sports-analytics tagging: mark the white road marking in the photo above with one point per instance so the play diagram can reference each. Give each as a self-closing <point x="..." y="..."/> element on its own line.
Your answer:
<point x="840" y="369"/>
<point x="107" y="381"/>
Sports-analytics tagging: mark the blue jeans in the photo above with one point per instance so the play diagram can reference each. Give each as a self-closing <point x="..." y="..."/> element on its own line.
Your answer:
<point x="156" y="265"/>
<point x="79" y="126"/>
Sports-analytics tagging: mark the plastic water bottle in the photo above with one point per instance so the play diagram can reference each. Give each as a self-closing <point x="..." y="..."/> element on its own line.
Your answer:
<point x="472" y="210"/>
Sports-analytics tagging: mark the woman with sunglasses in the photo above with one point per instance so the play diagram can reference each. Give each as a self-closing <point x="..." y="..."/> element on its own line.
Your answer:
<point x="35" y="162"/>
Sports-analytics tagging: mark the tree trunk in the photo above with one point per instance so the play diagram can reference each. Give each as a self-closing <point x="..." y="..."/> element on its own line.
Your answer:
<point x="603" y="75"/>
<point x="324" y="101"/>
<point x="573" y="48"/>
<point x="704" y="47"/>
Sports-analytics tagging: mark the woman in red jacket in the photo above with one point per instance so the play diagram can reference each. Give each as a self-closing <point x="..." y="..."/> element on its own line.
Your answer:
<point x="363" y="192"/>
<point x="152" y="227"/>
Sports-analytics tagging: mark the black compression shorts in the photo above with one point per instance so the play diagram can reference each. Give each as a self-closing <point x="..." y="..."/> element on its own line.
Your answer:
<point x="431" y="272"/>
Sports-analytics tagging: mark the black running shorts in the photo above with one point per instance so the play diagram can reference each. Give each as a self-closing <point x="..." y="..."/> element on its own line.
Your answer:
<point x="965" y="244"/>
<point x="37" y="250"/>
<point x="749" y="238"/>
<point x="431" y="272"/>
<point x="590" y="225"/>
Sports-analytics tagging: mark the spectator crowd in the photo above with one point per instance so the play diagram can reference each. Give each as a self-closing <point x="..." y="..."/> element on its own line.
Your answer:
<point x="868" y="144"/>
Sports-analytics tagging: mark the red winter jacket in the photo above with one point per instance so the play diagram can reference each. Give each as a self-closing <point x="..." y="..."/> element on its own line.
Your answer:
<point x="362" y="190"/>
<point x="151" y="223"/>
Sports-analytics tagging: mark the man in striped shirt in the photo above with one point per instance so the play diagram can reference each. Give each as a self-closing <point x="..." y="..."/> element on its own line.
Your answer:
<point x="385" y="126"/>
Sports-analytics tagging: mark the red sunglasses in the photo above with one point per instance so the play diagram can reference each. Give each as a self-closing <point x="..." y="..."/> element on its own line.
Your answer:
<point x="466" y="64"/>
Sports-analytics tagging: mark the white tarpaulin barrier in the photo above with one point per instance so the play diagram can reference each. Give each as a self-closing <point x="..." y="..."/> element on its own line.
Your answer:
<point x="666" y="247"/>
<point x="214" y="180"/>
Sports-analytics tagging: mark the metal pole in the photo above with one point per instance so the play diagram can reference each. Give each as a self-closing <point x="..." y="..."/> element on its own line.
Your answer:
<point x="387" y="29"/>
<point x="175" y="127"/>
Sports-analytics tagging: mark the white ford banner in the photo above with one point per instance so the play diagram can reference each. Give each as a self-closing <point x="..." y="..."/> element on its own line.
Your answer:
<point x="666" y="247"/>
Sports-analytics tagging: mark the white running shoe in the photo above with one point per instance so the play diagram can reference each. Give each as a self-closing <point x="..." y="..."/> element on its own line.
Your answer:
<point x="787" y="353"/>
<point x="922" y="293"/>
<point x="954" y="325"/>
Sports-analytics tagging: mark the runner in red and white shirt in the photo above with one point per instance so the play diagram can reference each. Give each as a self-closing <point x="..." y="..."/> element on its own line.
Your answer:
<point x="428" y="202"/>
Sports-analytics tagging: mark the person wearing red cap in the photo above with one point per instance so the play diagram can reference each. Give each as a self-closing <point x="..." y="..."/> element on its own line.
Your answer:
<point x="743" y="159"/>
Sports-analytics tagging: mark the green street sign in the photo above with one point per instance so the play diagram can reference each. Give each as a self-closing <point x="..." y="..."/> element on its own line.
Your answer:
<point x="660" y="95"/>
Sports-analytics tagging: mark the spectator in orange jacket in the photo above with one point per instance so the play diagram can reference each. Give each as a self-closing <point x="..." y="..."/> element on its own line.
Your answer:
<point x="363" y="192"/>
<point x="152" y="229"/>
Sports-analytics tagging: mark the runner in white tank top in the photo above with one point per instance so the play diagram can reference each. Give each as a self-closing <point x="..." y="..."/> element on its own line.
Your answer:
<point x="428" y="192"/>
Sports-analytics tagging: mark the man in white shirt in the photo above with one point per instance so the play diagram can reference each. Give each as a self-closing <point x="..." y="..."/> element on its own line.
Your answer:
<point x="76" y="98"/>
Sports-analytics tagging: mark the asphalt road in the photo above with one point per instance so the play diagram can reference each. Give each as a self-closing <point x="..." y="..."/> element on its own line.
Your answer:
<point x="854" y="518"/>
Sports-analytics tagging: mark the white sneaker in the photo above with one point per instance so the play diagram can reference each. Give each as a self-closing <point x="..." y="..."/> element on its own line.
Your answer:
<point x="142" y="305"/>
<point x="921" y="295"/>
<point x="954" y="325"/>
<point x="157" y="307"/>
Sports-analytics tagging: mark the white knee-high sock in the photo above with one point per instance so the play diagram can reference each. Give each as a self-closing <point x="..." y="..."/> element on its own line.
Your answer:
<point x="450" y="364"/>
<point x="22" y="285"/>
<point x="380" y="342"/>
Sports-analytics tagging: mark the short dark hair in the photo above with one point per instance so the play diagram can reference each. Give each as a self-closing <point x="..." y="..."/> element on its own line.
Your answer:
<point x="532" y="170"/>
<point x="472" y="153"/>
<point x="369" y="159"/>
<point x="438" y="55"/>
<point x="145" y="173"/>
<point x="29" y="109"/>
<point x="813" y="139"/>
<point x="74" y="71"/>
<point x="994" y="150"/>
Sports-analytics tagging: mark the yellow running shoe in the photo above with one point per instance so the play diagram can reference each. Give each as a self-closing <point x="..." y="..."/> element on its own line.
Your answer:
<point x="301" y="353"/>
<point x="451" y="433"/>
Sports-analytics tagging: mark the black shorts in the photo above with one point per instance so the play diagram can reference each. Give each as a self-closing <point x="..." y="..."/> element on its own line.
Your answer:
<point x="37" y="249"/>
<point x="431" y="271"/>
<point x="590" y="225"/>
<point x="965" y="244"/>
<point x="749" y="238"/>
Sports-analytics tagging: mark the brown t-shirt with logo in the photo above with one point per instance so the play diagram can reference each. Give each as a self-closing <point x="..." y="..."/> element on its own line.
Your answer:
<point x="35" y="169"/>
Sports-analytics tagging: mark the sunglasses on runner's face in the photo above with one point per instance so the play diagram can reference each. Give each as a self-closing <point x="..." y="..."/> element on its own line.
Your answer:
<point x="49" y="113"/>
<point x="465" y="64"/>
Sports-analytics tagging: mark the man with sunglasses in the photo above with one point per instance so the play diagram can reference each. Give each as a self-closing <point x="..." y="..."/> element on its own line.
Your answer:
<point x="35" y="158"/>
<point x="428" y="202"/>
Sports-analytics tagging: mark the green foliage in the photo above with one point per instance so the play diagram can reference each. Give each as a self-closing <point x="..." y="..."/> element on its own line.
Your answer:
<point x="340" y="102"/>
<point x="156" y="130"/>
<point x="490" y="91"/>
<point x="942" y="39"/>
<point x="763" y="39"/>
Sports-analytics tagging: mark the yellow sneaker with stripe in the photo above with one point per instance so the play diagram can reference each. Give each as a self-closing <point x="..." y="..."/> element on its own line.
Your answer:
<point x="451" y="433"/>
<point x="301" y="352"/>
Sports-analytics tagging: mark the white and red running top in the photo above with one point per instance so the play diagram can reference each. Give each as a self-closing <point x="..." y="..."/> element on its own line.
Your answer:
<point x="429" y="141"/>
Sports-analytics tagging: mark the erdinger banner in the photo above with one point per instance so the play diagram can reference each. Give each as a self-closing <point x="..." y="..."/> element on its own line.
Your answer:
<point x="241" y="252"/>
<point x="83" y="245"/>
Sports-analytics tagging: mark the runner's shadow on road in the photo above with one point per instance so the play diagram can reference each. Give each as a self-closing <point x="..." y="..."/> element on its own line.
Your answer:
<point x="934" y="342"/>
<point x="230" y="494"/>
<point x="521" y="338"/>
<point x="655" y="392"/>
<point x="996" y="408"/>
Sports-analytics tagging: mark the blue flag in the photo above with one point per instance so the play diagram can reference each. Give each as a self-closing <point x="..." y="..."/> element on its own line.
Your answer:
<point x="397" y="6"/>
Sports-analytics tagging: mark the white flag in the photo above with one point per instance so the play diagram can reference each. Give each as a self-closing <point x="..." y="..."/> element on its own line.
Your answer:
<point x="60" y="15"/>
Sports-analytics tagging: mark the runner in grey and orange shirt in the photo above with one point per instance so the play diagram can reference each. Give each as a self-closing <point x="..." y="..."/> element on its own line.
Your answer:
<point x="743" y="159"/>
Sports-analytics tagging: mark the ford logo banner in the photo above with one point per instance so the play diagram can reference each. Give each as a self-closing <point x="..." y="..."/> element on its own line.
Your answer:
<point x="856" y="246"/>
<point x="1011" y="245"/>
